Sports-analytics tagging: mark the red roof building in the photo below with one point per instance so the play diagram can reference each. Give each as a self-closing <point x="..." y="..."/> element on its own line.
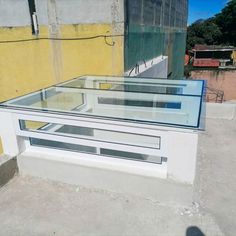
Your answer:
<point x="213" y="56"/>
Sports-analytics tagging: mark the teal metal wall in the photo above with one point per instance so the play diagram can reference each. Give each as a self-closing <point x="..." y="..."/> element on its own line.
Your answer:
<point x="155" y="28"/>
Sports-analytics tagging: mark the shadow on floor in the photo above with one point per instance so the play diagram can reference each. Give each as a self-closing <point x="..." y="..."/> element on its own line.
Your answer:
<point x="194" y="231"/>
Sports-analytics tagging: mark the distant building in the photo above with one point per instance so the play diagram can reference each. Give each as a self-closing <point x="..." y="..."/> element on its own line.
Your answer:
<point x="216" y="65"/>
<point x="214" y="56"/>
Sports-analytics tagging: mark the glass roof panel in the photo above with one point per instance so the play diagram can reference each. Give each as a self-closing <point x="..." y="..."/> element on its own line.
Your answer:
<point x="158" y="101"/>
<point x="135" y="84"/>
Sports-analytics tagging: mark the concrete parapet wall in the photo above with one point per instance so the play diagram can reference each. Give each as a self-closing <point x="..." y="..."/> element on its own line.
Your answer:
<point x="221" y="111"/>
<point x="223" y="80"/>
<point x="69" y="12"/>
<point x="156" y="68"/>
<point x="14" y="13"/>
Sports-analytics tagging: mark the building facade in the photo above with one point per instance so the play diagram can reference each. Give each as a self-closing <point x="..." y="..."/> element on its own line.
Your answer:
<point x="213" y="56"/>
<point x="156" y="28"/>
<point x="93" y="37"/>
<point x="44" y="42"/>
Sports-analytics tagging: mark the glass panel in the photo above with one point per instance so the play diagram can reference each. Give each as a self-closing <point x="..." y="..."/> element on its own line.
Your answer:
<point x="94" y="150"/>
<point x="166" y="109"/>
<point x="158" y="101"/>
<point x="144" y="85"/>
<point x="62" y="146"/>
<point x="140" y="103"/>
<point x="50" y="99"/>
<point x="130" y="155"/>
<point x="32" y="125"/>
<point x="93" y="134"/>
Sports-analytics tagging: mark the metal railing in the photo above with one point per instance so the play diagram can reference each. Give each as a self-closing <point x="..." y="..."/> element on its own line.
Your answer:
<point x="215" y="95"/>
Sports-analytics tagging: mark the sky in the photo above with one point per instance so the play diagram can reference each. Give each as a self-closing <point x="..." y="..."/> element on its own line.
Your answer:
<point x="203" y="9"/>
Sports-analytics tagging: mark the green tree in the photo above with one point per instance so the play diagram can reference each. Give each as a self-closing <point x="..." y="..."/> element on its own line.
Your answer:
<point x="203" y="32"/>
<point x="226" y="20"/>
<point x="220" y="29"/>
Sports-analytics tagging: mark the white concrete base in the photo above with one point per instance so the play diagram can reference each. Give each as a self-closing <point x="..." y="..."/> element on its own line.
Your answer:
<point x="47" y="167"/>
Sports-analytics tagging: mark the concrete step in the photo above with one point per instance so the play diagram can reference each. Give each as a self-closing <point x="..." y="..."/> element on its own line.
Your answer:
<point x="8" y="168"/>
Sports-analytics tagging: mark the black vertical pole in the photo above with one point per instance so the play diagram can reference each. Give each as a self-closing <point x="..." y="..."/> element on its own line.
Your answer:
<point x="32" y="9"/>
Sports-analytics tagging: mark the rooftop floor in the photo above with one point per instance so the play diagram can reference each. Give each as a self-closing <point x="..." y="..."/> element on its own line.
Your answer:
<point x="31" y="206"/>
<point x="215" y="187"/>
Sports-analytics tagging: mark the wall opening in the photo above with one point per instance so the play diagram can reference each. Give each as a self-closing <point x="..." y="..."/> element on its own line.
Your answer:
<point x="33" y="16"/>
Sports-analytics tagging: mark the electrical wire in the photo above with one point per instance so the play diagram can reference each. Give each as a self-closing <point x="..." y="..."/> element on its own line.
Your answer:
<point x="105" y="37"/>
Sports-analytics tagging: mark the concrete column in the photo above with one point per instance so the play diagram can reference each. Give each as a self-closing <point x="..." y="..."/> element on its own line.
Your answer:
<point x="117" y="17"/>
<point x="12" y="145"/>
<point x="56" y="46"/>
<point x="182" y="156"/>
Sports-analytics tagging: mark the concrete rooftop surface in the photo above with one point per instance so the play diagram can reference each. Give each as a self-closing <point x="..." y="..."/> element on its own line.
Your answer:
<point x="32" y="206"/>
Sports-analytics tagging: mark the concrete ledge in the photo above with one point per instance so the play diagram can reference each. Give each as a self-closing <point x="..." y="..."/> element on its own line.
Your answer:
<point x="154" y="68"/>
<point x="47" y="167"/>
<point x="8" y="168"/>
<point x="221" y="111"/>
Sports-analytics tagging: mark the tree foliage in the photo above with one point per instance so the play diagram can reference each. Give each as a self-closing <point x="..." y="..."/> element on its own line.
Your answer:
<point x="220" y="29"/>
<point x="226" y="20"/>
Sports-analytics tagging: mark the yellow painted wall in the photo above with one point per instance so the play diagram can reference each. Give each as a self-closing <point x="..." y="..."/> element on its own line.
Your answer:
<point x="91" y="56"/>
<point x="29" y="66"/>
<point x="1" y="149"/>
<point x="24" y="67"/>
